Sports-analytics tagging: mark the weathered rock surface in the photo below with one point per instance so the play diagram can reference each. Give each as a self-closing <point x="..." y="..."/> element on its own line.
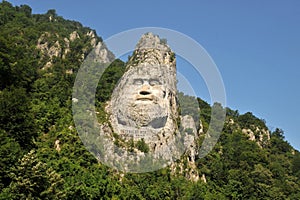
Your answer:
<point x="55" y="46"/>
<point x="48" y="50"/>
<point x="256" y="134"/>
<point x="93" y="37"/>
<point x="144" y="107"/>
<point x="102" y="54"/>
<point x="73" y="36"/>
<point x="260" y="135"/>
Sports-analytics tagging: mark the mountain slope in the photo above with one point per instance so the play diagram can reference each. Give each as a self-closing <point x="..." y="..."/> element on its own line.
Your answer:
<point x="43" y="157"/>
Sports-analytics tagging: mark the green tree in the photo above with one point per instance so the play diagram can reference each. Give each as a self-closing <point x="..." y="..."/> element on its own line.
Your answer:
<point x="109" y="79"/>
<point x="15" y="116"/>
<point x="10" y="152"/>
<point x="32" y="179"/>
<point x="296" y="164"/>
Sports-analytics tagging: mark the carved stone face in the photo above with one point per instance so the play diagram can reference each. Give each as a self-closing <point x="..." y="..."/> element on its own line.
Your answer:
<point x="142" y="99"/>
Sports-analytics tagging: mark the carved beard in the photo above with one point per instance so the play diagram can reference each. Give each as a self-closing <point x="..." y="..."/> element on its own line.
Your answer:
<point x="140" y="114"/>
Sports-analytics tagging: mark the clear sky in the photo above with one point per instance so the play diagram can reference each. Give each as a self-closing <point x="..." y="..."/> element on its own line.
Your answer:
<point x="255" y="44"/>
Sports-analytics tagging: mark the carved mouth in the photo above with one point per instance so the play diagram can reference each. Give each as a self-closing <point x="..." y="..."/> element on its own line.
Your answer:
<point x="144" y="98"/>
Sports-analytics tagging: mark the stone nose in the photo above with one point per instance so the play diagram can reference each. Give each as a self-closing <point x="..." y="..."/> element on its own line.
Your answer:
<point x="145" y="90"/>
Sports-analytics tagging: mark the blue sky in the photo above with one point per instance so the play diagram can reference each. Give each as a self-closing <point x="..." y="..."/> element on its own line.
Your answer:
<point x="255" y="44"/>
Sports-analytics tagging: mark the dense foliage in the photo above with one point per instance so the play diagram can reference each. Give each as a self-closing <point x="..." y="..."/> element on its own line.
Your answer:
<point x="42" y="157"/>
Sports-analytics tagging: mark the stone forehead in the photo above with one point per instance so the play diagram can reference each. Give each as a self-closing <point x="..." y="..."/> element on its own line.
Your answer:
<point x="152" y="59"/>
<point x="150" y="71"/>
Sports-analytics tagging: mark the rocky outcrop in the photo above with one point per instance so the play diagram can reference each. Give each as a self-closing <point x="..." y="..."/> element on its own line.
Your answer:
<point x="250" y="133"/>
<point x="189" y="134"/>
<point x="73" y="36"/>
<point x="55" y="46"/>
<point x="143" y="105"/>
<point x="102" y="54"/>
<point x="143" y="111"/>
<point x="57" y="145"/>
<point x="93" y="37"/>
<point x="48" y="50"/>
<point x="260" y="135"/>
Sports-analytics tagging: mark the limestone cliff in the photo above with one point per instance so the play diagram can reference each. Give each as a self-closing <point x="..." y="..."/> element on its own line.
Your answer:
<point x="55" y="46"/>
<point x="144" y="101"/>
<point x="256" y="133"/>
<point x="144" y="110"/>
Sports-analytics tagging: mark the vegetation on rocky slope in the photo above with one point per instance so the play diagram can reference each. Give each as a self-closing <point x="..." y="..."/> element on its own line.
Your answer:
<point x="42" y="157"/>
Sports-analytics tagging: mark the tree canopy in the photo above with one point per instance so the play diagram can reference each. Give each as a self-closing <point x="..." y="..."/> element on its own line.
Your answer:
<point x="42" y="156"/>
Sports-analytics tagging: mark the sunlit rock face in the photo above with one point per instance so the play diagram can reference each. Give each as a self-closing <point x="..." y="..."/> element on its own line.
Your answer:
<point x="144" y="105"/>
<point x="145" y="131"/>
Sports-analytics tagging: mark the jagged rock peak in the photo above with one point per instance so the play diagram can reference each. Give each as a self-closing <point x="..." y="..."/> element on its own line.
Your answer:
<point x="152" y="50"/>
<point x="102" y="54"/>
<point x="152" y="41"/>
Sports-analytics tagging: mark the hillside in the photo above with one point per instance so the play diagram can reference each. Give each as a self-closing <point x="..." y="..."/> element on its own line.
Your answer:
<point x="42" y="156"/>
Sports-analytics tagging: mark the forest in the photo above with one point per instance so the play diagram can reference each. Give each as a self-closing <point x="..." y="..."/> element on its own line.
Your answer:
<point x="42" y="156"/>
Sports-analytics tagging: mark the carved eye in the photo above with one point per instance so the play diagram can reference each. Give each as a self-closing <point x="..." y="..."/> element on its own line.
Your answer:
<point x="138" y="82"/>
<point x="153" y="82"/>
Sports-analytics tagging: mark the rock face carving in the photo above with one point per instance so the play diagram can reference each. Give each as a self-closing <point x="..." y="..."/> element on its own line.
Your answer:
<point x="143" y="105"/>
